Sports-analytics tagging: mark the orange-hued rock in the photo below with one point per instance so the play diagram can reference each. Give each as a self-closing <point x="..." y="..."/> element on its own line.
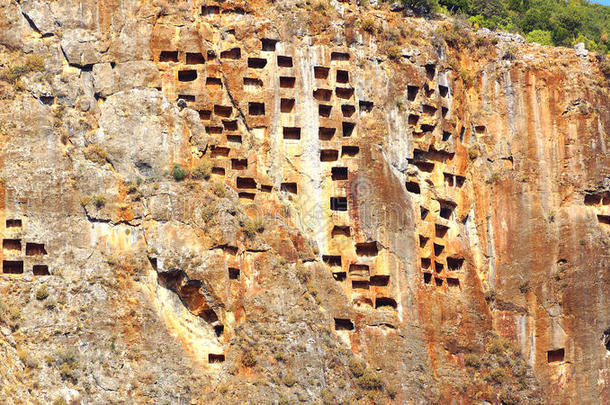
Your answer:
<point x="277" y="202"/>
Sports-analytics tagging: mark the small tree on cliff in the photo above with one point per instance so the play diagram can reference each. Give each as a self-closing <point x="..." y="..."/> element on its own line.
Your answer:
<point x="421" y="6"/>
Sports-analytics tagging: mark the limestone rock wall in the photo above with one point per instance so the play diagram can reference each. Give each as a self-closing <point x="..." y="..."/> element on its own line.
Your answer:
<point x="372" y="210"/>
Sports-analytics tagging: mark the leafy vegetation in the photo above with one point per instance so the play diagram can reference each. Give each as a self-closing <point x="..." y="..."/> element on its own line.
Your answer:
<point x="96" y="154"/>
<point x="548" y="22"/>
<point x="179" y="173"/>
<point x="33" y="63"/>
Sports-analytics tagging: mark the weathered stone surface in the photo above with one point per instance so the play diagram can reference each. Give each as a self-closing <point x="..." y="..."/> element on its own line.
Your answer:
<point x="331" y="213"/>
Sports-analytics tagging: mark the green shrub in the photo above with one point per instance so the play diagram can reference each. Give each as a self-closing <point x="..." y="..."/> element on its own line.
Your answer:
<point x="289" y="380"/>
<point x="302" y="274"/>
<point x="134" y="191"/>
<point x="472" y="360"/>
<point x="179" y="173"/>
<point x="524" y="287"/>
<point x="368" y="24"/>
<point x="497" y="375"/>
<point x="253" y="226"/>
<point x="208" y="212"/>
<point x="59" y="401"/>
<point x="42" y="293"/>
<point x="604" y="66"/>
<point x="540" y="36"/>
<point x="394" y="52"/>
<point x="496" y="346"/>
<point x="508" y="398"/>
<point x="96" y="154"/>
<point x="33" y="63"/>
<point x="203" y="171"/>
<point x="66" y="356"/>
<point x="249" y="359"/>
<point x="421" y="6"/>
<point x="370" y="380"/>
<point x="321" y="6"/>
<point x="510" y="53"/>
<point x="99" y="200"/>
<point x="392" y="391"/>
<point x="357" y="367"/>
<point x="219" y="189"/>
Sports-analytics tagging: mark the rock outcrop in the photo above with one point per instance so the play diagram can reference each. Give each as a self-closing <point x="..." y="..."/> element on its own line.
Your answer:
<point x="285" y="202"/>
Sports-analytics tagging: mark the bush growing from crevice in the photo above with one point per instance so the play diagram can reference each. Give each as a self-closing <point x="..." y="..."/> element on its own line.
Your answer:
<point x="472" y="360"/>
<point x="248" y="359"/>
<point x="96" y="154"/>
<point x="179" y="173"/>
<point x="253" y="226"/>
<point x="33" y="63"/>
<point x="369" y="380"/>
<point x="357" y="367"/>
<point x="203" y="171"/>
<point x="42" y="293"/>
<point x="99" y="200"/>
<point x="219" y="189"/>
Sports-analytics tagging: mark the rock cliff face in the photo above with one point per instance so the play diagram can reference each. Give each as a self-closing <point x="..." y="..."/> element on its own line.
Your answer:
<point x="283" y="202"/>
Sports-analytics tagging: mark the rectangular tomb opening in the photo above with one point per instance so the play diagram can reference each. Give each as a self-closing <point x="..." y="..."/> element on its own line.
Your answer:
<point x="340" y="231"/>
<point x="380" y="281"/>
<point x="329" y="155"/>
<point x="289" y="188"/>
<point x="322" y="94"/>
<point x="360" y="285"/>
<point x="194" y="58"/>
<point x="12" y="267"/>
<point x="168" y="56"/>
<point x="256" y="108"/>
<point x="344" y="92"/>
<point x="287" y="82"/>
<point x="291" y="133"/>
<point x="284" y="61"/>
<point x="268" y="44"/>
<point x="385" y="302"/>
<point x="324" y="110"/>
<point x="339" y="57"/>
<point x="348" y="110"/>
<point x="13" y="223"/>
<point x="350" y="151"/>
<point x="321" y="72"/>
<point x="412" y="92"/>
<point x="339" y="173"/>
<point x="224" y="111"/>
<point x="234" y="273"/>
<point x="187" y="75"/>
<point x="332" y="260"/>
<point x="326" y="134"/>
<point x="367" y="249"/>
<point x="11" y="246"/>
<point x="348" y="128"/>
<point x="338" y="203"/>
<point x="454" y="263"/>
<point x="343" y="324"/>
<point x="234" y="53"/>
<point x="246" y="182"/>
<point x="554" y="356"/>
<point x="257" y="63"/>
<point x="35" y="249"/>
<point x="287" y="105"/>
<point x="239" y="164"/>
<point x="216" y="358"/>
<point x="342" y="76"/>
<point x="40" y="270"/>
